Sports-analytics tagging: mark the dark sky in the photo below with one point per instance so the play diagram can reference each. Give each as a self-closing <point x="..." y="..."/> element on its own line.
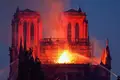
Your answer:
<point x="103" y="17"/>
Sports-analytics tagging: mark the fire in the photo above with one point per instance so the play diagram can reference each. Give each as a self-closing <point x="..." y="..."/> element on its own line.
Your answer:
<point x="68" y="57"/>
<point x="65" y="57"/>
<point x="104" y="56"/>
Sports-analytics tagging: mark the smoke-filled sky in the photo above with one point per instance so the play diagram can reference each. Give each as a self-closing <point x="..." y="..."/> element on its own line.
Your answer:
<point x="103" y="17"/>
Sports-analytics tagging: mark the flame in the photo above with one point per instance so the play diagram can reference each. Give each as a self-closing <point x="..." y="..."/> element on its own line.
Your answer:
<point x="65" y="57"/>
<point x="104" y="56"/>
<point x="69" y="57"/>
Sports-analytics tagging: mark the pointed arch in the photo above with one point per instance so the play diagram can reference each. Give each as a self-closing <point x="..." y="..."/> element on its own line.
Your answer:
<point x="32" y="31"/>
<point x="69" y="32"/>
<point x="77" y="31"/>
<point x="25" y="30"/>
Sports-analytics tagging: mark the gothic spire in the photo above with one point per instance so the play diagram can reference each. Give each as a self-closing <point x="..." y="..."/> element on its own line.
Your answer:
<point x="79" y="10"/>
<point x="106" y="57"/>
<point x="17" y="10"/>
<point x="107" y="42"/>
<point x="107" y="48"/>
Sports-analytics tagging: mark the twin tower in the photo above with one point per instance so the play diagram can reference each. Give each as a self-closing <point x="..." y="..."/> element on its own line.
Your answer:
<point x="27" y="26"/>
<point x="27" y="32"/>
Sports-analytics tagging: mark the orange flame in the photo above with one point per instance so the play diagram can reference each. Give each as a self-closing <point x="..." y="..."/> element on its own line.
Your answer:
<point x="104" y="56"/>
<point x="65" y="57"/>
<point x="68" y="57"/>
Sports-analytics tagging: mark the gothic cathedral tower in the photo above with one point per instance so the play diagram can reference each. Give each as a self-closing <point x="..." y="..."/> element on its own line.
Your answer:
<point x="26" y="26"/>
<point x="75" y="25"/>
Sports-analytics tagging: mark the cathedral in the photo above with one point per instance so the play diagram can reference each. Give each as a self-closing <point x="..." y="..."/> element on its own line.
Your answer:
<point x="67" y="58"/>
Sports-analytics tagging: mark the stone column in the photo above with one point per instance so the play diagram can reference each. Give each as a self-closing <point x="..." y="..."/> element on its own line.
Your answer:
<point x="86" y="30"/>
<point x="20" y="32"/>
<point x="81" y="29"/>
<point x="40" y="30"/>
<point x="35" y="33"/>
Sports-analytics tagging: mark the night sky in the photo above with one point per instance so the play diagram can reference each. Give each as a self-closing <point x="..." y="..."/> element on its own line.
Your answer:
<point x="103" y="17"/>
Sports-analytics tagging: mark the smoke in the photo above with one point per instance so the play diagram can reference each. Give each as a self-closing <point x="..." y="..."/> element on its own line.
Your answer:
<point x="97" y="48"/>
<point x="51" y="14"/>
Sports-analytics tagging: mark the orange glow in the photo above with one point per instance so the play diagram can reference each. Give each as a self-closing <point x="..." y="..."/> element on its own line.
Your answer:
<point x="68" y="57"/>
<point x="65" y="57"/>
<point x="104" y="56"/>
